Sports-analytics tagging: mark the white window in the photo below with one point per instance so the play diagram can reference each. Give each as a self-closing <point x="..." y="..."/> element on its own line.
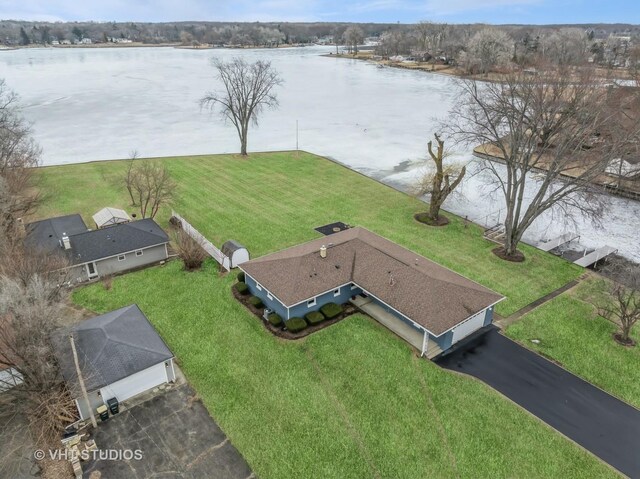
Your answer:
<point x="269" y="295"/>
<point x="91" y="270"/>
<point x="122" y="257"/>
<point x="311" y="302"/>
<point x="139" y="252"/>
<point x="336" y="292"/>
<point x="258" y="286"/>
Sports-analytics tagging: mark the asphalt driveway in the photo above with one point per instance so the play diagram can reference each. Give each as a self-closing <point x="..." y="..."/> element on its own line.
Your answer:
<point x="177" y="439"/>
<point x="602" y="424"/>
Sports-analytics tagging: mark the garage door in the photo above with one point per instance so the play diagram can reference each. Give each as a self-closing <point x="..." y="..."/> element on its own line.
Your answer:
<point x="468" y="327"/>
<point x="136" y="383"/>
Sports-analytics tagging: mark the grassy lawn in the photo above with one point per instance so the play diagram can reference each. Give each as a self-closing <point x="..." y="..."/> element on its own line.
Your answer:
<point x="350" y="401"/>
<point x="274" y="200"/>
<point x="571" y="333"/>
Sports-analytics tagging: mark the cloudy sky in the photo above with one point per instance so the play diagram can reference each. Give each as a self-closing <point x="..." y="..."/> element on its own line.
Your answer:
<point x="405" y="11"/>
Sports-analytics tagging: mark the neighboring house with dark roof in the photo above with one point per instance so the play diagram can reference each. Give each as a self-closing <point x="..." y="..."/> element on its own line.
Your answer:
<point x="120" y="355"/>
<point x="96" y="253"/>
<point x="420" y="300"/>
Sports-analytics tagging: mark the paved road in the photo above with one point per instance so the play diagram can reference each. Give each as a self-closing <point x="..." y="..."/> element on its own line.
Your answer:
<point x="602" y="424"/>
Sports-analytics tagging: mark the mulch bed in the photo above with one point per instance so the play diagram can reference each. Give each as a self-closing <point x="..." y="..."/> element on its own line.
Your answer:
<point x="425" y="220"/>
<point x="518" y="257"/>
<point x="349" y="309"/>
<point x="628" y="343"/>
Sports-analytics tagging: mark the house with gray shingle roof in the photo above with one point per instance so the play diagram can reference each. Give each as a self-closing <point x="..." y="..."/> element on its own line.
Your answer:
<point x="428" y="305"/>
<point x="93" y="254"/>
<point x="120" y="355"/>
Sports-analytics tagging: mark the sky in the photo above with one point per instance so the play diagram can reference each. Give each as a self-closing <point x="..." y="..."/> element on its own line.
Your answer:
<point x="381" y="11"/>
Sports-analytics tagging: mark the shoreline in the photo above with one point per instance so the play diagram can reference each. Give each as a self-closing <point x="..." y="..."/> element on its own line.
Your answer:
<point x="178" y="46"/>
<point x="446" y="70"/>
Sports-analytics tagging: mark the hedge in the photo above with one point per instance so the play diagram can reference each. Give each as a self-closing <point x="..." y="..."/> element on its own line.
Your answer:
<point x="241" y="276"/>
<point x="255" y="301"/>
<point x="296" y="324"/>
<point x="241" y="287"/>
<point x="314" y="317"/>
<point x="331" y="310"/>
<point x="275" y="319"/>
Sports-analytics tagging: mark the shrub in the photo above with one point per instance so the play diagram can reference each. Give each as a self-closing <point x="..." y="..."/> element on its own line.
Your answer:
<point x="241" y="287"/>
<point x="331" y="310"/>
<point x="241" y="276"/>
<point x="296" y="324"/>
<point x="314" y="317"/>
<point x="255" y="302"/>
<point x="190" y="251"/>
<point x="275" y="319"/>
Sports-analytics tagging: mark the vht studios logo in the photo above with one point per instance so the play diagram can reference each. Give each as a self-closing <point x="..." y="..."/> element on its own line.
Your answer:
<point x="86" y="455"/>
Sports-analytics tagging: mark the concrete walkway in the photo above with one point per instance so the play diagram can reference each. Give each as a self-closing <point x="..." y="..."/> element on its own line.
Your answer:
<point x="502" y="323"/>
<point x="599" y="422"/>
<point x="388" y="319"/>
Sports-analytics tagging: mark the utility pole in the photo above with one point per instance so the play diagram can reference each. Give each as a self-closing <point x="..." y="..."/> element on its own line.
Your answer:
<point x="81" y="381"/>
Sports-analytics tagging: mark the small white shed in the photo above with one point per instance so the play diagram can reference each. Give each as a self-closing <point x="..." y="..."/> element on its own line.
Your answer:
<point x="236" y="253"/>
<point x="110" y="217"/>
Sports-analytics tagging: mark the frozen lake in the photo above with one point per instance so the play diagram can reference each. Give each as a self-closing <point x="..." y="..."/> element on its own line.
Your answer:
<point x="90" y="104"/>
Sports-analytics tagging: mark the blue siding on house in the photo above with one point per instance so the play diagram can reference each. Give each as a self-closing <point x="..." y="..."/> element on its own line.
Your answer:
<point x="443" y="341"/>
<point x="488" y="317"/>
<point x="272" y="304"/>
<point x="299" y="310"/>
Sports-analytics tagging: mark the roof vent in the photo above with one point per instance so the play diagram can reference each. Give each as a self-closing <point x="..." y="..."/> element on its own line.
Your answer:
<point x="323" y="251"/>
<point x="66" y="244"/>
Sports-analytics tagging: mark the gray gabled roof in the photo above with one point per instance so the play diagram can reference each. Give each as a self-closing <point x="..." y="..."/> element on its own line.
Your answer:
<point x="115" y="240"/>
<point x="45" y="235"/>
<point x="110" y="347"/>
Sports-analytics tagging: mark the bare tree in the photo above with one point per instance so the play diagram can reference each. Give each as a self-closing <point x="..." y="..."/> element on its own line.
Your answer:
<point x="548" y="124"/>
<point x="623" y="306"/>
<point x="190" y="251"/>
<point x="439" y="183"/>
<point x="487" y="49"/>
<point x="18" y="155"/>
<point x="353" y="36"/>
<point x="29" y="316"/>
<point x="567" y="46"/>
<point x="152" y="187"/>
<point x="247" y="91"/>
<point x="130" y="175"/>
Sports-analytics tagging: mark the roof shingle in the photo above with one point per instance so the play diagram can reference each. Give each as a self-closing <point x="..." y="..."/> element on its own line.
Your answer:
<point x="422" y="290"/>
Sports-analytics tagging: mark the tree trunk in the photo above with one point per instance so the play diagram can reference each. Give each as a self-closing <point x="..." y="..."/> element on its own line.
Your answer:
<point x="434" y="209"/>
<point x="243" y="141"/>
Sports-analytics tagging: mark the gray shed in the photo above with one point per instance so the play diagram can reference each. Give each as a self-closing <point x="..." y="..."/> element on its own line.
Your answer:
<point x="236" y="253"/>
<point x="109" y="217"/>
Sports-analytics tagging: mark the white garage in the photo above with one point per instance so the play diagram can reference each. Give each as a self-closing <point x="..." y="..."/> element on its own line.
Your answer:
<point x="120" y="354"/>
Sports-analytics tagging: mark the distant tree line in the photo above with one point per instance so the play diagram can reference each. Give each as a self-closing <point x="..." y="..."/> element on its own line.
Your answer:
<point x="481" y="48"/>
<point x="477" y="48"/>
<point x="14" y="32"/>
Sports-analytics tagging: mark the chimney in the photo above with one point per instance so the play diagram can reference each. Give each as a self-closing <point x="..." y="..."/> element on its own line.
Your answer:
<point x="66" y="244"/>
<point x="323" y="251"/>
